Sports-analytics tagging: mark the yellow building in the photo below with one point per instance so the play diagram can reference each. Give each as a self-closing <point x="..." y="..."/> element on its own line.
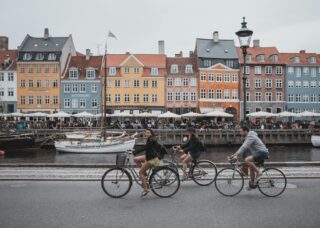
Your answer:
<point x="135" y="83"/>
<point x="41" y="61"/>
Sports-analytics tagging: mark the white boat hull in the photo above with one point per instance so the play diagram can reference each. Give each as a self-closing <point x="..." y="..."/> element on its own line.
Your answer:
<point x="315" y="140"/>
<point x="93" y="147"/>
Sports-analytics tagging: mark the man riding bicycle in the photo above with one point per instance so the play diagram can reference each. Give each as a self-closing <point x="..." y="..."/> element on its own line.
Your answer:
<point x="258" y="150"/>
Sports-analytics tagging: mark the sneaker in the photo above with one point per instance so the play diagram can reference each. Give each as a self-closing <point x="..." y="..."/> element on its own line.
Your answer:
<point x="144" y="193"/>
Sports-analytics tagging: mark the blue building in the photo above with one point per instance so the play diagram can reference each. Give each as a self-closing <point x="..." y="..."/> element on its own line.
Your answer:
<point x="302" y="81"/>
<point x="80" y="84"/>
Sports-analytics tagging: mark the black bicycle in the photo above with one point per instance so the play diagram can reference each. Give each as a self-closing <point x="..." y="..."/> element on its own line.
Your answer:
<point x="117" y="182"/>
<point x="230" y="181"/>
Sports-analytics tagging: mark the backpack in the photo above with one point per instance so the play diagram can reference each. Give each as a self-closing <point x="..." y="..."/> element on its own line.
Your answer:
<point x="161" y="150"/>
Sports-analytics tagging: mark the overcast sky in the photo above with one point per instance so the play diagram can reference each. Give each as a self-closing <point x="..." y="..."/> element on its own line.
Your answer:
<point x="290" y="25"/>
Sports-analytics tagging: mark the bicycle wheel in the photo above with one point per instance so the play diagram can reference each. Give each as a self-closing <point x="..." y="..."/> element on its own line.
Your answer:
<point x="116" y="182"/>
<point x="272" y="183"/>
<point x="203" y="172"/>
<point x="164" y="182"/>
<point x="229" y="182"/>
<point x="171" y="165"/>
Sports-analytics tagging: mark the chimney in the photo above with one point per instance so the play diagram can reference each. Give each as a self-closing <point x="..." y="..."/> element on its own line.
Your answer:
<point x="46" y="33"/>
<point x="127" y="53"/>
<point x="256" y="43"/>
<point x="161" y="47"/>
<point x="180" y="54"/>
<point x="88" y="54"/>
<point x="302" y="51"/>
<point x="4" y="43"/>
<point x="216" y="36"/>
<point x="191" y="54"/>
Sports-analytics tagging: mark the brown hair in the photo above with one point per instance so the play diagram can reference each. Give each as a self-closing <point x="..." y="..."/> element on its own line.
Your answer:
<point x="151" y="131"/>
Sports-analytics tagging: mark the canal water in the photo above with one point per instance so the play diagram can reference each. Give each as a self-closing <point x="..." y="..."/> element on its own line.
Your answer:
<point x="216" y="154"/>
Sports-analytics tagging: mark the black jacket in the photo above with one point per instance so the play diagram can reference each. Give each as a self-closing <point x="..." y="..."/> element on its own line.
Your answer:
<point x="150" y="148"/>
<point x="193" y="147"/>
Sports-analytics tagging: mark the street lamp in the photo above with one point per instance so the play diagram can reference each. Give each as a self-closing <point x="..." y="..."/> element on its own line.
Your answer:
<point x="244" y="35"/>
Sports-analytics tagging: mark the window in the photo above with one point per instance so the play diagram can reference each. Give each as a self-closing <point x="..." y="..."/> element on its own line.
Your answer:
<point x="117" y="83"/>
<point x="30" y="99"/>
<point x="1" y="92"/>
<point x="127" y="83"/>
<point x="22" y="83"/>
<point x="247" y="96"/>
<point x="39" y="56"/>
<point x="22" y="99"/>
<point x="47" y="83"/>
<point x="47" y="68"/>
<point x="169" y="96"/>
<point x="94" y="103"/>
<point x="219" y="94"/>
<point x="136" y="83"/>
<point x="22" y="68"/>
<point x="268" y="69"/>
<point x="278" y="70"/>
<point x="127" y="98"/>
<point x="39" y="83"/>
<point x="202" y="93"/>
<point x="305" y="70"/>
<point x="249" y="58"/>
<point x="154" y="98"/>
<point x="145" y="98"/>
<point x="38" y="68"/>
<point x="260" y="58"/>
<point x="207" y="63"/>
<point x="268" y="96"/>
<point x="126" y="70"/>
<point x="313" y="84"/>
<point x="73" y="74"/>
<point x="257" y="70"/>
<point x="2" y="76"/>
<point x="189" y="69"/>
<point x="185" y="96"/>
<point x="136" y="70"/>
<point x="229" y="63"/>
<point x="74" y="88"/>
<point x="305" y="84"/>
<point x="117" y="98"/>
<point x="193" y="96"/>
<point x="219" y="77"/>
<point x="278" y="83"/>
<point x="178" y="96"/>
<point x="312" y="60"/>
<point x="90" y="74"/>
<point x="305" y="98"/>
<point x="154" y="84"/>
<point x="258" y="96"/>
<point x="55" y="68"/>
<point x="145" y="83"/>
<point x="10" y="92"/>
<point x="47" y="100"/>
<point x="234" y="94"/>
<point x="193" y="82"/>
<point x="30" y="67"/>
<point x="174" y="69"/>
<point x="30" y="83"/>
<point x="211" y="77"/>
<point x="247" y="83"/>
<point x="169" y="82"/>
<point x="74" y="103"/>
<point x="296" y="60"/>
<point x="38" y="99"/>
<point x="82" y="103"/>
<point x="226" y="94"/>
<point x="154" y="71"/>
<point x="211" y="94"/>
<point x="112" y="70"/>
<point x="268" y="83"/>
<point x="298" y="84"/>
<point x="136" y="98"/>
<point x="185" y="82"/>
<point x="109" y="83"/>
<point x="27" y="56"/>
<point x="10" y="77"/>
<point x="274" y="58"/>
<point x="108" y="97"/>
<point x="55" y="83"/>
<point x="94" y="88"/>
<point x="55" y="99"/>
<point x="51" y="56"/>
<point x="290" y="98"/>
<point x="313" y="98"/>
<point x="226" y="78"/>
<point x="177" y="81"/>
<point x="290" y="84"/>
<point x="257" y="83"/>
<point x="290" y="70"/>
<point x="298" y="72"/>
<point x="298" y="97"/>
<point x="203" y="77"/>
<point x="313" y="72"/>
<point x="82" y="88"/>
<point x="247" y="71"/>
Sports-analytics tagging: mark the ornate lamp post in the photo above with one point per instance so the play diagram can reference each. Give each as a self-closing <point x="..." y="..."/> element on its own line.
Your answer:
<point x="244" y="35"/>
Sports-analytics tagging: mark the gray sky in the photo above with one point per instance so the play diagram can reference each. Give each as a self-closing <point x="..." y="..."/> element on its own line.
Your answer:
<point x="290" y="25"/>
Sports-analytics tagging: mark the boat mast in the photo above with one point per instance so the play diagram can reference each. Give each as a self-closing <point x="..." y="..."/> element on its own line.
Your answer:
<point x="104" y="121"/>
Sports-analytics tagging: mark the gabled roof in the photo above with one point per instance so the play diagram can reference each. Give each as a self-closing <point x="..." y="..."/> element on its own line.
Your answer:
<point x="256" y="51"/>
<point x="39" y="44"/>
<point x="219" y="66"/>
<point x="224" y="49"/>
<point x="12" y="54"/>
<point x="182" y="62"/>
<point x="303" y="58"/>
<point x="132" y="58"/>
<point x="148" y="60"/>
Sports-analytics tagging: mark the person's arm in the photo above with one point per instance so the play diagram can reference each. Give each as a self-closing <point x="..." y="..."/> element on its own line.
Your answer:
<point x="246" y="144"/>
<point x="148" y="145"/>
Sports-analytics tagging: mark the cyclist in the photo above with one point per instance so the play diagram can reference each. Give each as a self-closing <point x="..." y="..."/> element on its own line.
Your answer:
<point x="192" y="150"/>
<point x="145" y="162"/>
<point x="258" y="150"/>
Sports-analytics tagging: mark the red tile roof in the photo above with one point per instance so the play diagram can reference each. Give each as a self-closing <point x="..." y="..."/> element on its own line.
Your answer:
<point x="255" y="51"/>
<point x="303" y="58"/>
<point x="13" y="56"/>
<point x="182" y="62"/>
<point x="148" y="60"/>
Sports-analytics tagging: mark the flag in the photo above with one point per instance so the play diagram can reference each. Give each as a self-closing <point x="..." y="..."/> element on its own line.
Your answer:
<point x="111" y="35"/>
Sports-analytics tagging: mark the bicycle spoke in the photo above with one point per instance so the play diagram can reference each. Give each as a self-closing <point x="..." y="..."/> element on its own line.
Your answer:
<point x="272" y="182"/>
<point x="116" y="182"/>
<point x="229" y="182"/>
<point x="204" y="173"/>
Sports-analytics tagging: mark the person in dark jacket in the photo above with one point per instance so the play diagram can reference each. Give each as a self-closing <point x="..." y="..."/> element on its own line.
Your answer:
<point x="145" y="162"/>
<point x="192" y="150"/>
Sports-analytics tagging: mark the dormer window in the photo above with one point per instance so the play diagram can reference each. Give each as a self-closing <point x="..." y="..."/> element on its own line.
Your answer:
<point x="189" y="69"/>
<point x="274" y="58"/>
<point x="295" y="59"/>
<point x="39" y="56"/>
<point x="312" y="60"/>
<point x="112" y="70"/>
<point x="248" y="58"/>
<point x="52" y="56"/>
<point x="174" y="69"/>
<point x="73" y="74"/>
<point x="260" y="58"/>
<point x="27" y="56"/>
<point x="90" y="73"/>
<point x="154" y="71"/>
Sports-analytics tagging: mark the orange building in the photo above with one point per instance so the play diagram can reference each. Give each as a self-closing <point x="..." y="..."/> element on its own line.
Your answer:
<point x="219" y="89"/>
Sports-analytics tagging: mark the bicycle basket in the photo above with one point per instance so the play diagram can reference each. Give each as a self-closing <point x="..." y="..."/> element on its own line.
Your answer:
<point x="121" y="160"/>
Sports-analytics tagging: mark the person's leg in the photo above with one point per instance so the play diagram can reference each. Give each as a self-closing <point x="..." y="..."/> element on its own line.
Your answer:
<point x="253" y="168"/>
<point x="143" y="174"/>
<point x="139" y="160"/>
<point x="185" y="163"/>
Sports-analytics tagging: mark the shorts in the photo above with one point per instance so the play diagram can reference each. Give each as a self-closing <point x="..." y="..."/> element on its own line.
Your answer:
<point x="155" y="162"/>
<point x="259" y="156"/>
<point x="195" y="156"/>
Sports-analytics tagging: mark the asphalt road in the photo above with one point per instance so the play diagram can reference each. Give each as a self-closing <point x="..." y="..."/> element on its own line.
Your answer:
<point x="83" y="204"/>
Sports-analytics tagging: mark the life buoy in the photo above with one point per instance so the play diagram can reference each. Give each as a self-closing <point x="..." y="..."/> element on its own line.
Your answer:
<point x="2" y="152"/>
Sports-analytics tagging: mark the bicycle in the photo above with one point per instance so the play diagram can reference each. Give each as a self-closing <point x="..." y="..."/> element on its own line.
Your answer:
<point x="202" y="172"/>
<point x="160" y="179"/>
<point x="230" y="181"/>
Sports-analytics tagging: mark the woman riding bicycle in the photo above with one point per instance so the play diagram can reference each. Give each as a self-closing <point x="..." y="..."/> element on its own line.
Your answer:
<point x="145" y="162"/>
<point x="192" y="150"/>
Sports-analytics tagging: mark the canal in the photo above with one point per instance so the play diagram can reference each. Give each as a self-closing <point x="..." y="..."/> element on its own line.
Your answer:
<point x="216" y="154"/>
